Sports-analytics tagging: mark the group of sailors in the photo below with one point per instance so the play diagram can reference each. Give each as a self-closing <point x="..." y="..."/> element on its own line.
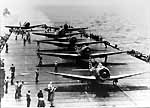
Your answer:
<point x="93" y="36"/>
<point x="41" y="102"/>
<point x="3" y="41"/>
<point x="139" y="55"/>
<point x="50" y="88"/>
<point x="50" y="97"/>
<point x="19" y="84"/>
<point x="25" y="35"/>
<point x="18" y="87"/>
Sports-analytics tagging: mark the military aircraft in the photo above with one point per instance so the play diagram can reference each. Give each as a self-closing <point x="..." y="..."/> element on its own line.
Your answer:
<point x="67" y="28"/>
<point x="82" y="53"/>
<point x="71" y="43"/>
<point x="23" y="29"/>
<point x="58" y="34"/>
<point x="26" y="25"/>
<point x="99" y="75"/>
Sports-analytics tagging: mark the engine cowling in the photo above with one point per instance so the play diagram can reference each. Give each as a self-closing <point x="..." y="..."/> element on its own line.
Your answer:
<point x="102" y="73"/>
<point x="26" y="24"/>
<point x="73" y="40"/>
<point x="85" y="51"/>
<point x="61" y="32"/>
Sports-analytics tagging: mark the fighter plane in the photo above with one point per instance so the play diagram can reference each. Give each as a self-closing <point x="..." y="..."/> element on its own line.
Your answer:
<point x="23" y="29"/>
<point x="67" y="28"/>
<point x="26" y="25"/>
<point x="57" y="34"/>
<point x="71" y="43"/>
<point x="82" y="53"/>
<point x="99" y="75"/>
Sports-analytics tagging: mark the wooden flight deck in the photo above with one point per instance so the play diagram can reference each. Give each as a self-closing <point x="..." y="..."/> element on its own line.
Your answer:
<point x="133" y="91"/>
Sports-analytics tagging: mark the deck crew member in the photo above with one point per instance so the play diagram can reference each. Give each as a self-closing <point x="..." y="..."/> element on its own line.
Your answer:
<point x="94" y="63"/>
<point x="28" y="97"/>
<point x="2" y="64"/>
<point x="40" y="60"/>
<point x="16" y="88"/>
<point x="24" y="40"/>
<point x="12" y="69"/>
<point x="20" y="84"/>
<point x="6" y="51"/>
<point x="41" y="102"/>
<point x="28" y="37"/>
<point x="6" y="84"/>
<point x="148" y="58"/>
<point x="51" y="94"/>
<point x="36" y="75"/>
<point x="56" y="66"/>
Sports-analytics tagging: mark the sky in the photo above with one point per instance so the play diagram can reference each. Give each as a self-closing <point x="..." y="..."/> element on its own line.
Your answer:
<point x="124" y="4"/>
<point x="134" y="8"/>
<point x="18" y="3"/>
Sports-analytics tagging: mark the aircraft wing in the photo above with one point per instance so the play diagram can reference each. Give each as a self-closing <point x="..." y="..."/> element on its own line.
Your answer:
<point x="57" y="39"/>
<point x="60" y="44"/>
<point x="62" y="55"/>
<point x="66" y="44"/>
<point x="94" y="55"/>
<point x="125" y="75"/>
<point x="76" y="29"/>
<point x="49" y="35"/>
<point x="30" y="30"/>
<point x="89" y="43"/>
<point x="51" y="27"/>
<point x="80" y="77"/>
<point x="22" y="27"/>
<point x="34" y="26"/>
<point x="56" y="28"/>
<point x="71" y="34"/>
<point x="13" y="27"/>
<point x="72" y="76"/>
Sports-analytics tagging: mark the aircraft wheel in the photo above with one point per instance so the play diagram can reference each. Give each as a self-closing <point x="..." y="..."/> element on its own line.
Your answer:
<point x="115" y="82"/>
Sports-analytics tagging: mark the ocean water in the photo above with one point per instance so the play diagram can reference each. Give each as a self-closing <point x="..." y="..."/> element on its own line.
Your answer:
<point x="125" y="29"/>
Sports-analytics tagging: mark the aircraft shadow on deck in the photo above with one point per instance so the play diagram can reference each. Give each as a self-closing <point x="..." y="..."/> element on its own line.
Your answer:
<point x="82" y="64"/>
<point x="102" y="90"/>
<point x="111" y="64"/>
<point x="67" y="64"/>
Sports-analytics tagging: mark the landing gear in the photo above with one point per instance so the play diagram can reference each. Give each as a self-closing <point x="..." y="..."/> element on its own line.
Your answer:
<point x="38" y="45"/>
<point x="115" y="82"/>
<point x="105" y="45"/>
<point x="105" y="60"/>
